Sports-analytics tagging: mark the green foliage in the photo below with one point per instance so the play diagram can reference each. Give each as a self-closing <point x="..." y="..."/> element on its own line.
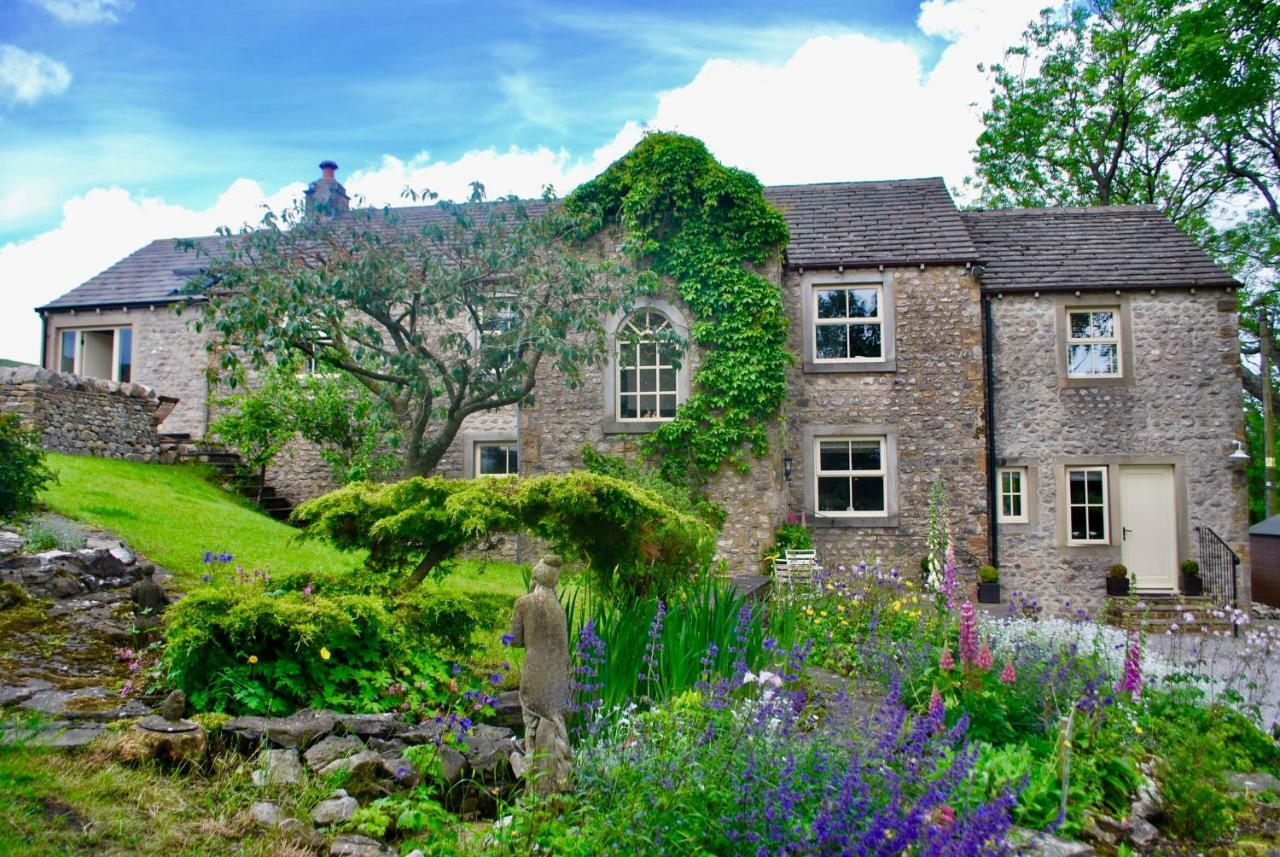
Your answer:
<point x="1190" y="568"/>
<point x="630" y="538"/>
<point x="939" y="537"/>
<point x="47" y="533"/>
<point x="703" y="225"/>
<point x="417" y="816"/>
<point x="436" y="319"/>
<point x="23" y="471"/>
<point x="1118" y="570"/>
<point x="1191" y="772"/>
<point x="988" y="574"/>
<point x="252" y="644"/>
<point x="680" y="496"/>
<point x="256" y="425"/>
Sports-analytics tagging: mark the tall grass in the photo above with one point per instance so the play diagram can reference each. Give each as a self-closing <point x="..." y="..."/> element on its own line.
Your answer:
<point x="706" y="632"/>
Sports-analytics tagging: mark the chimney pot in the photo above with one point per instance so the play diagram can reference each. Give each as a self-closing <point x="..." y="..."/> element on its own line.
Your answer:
<point x="326" y="196"/>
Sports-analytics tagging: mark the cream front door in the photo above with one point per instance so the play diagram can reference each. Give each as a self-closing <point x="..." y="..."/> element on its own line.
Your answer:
<point x="1149" y="528"/>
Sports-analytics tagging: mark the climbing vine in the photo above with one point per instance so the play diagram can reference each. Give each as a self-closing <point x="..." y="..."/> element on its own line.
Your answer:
<point x="689" y="218"/>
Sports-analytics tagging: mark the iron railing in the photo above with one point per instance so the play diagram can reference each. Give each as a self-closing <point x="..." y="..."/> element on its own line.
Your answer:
<point x="1219" y="568"/>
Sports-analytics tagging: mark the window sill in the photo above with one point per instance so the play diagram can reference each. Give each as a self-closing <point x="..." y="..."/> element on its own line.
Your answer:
<point x="850" y="366"/>
<point x="631" y="427"/>
<point x="854" y="521"/>
<point x="1078" y="383"/>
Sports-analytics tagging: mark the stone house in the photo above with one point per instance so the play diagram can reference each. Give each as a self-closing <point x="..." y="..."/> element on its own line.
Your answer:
<point x="1073" y="375"/>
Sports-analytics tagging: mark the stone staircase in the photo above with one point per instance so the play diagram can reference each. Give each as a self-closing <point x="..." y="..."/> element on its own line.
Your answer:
<point x="1159" y="614"/>
<point x="230" y="471"/>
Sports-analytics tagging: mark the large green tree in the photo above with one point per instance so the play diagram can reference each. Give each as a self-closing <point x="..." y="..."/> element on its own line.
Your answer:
<point x="438" y="317"/>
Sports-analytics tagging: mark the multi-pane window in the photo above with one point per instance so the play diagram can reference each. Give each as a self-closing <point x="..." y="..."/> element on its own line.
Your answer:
<point x="1093" y="343"/>
<point x="848" y="323"/>
<point x="850" y="476"/>
<point x="1087" y="505"/>
<point x="497" y="459"/>
<point x="647" y="367"/>
<point x="1013" y="495"/>
<point x="98" y="353"/>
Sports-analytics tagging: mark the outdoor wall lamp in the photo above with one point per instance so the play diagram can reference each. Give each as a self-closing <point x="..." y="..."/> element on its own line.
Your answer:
<point x="786" y="467"/>
<point x="1239" y="454"/>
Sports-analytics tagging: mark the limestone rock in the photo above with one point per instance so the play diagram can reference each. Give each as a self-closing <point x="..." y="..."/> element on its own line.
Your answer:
<point x="1142" y="832"/>
<point x="1103" y="830"/>
<point x="57" y="735"/>
<point x="1257" y="781"/>
<point x="334" y="810"/>
<point x="382" y="726"/>
<point x="12" y="694"/>
<point x="301" y="831"/>
<point x="279" y="767"/>
<point x="330" y="749"/>
<point x="365" y="773"/>
<point x="1037" y="844"/>
<point x="354" y="845"/>
<point x="401" y="770"/>
<point x="140" y="744"/>
<point x="10" y="543"/>
<point x="298" y="730"/>
<point x="265" y="814"/>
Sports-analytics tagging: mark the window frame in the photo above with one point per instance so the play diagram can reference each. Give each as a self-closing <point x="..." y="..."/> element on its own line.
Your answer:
<point x="1104" y="470"/>
<point x="610" y="378"/>
<point x="77" y="358"/>
<point x="847" y="321"/>
<point x="657" y="367"/>
<point x="473" y="440"/>
<point x="1022" y="494"/>
<point x="882" y="473"/>
<point x="1114" y="340"/>
<point x="512" y="447"/>
<point x="813" y="281"/>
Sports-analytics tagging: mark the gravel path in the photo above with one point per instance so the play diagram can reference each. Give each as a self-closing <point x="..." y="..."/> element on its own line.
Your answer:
<point x="1249" y="663"/>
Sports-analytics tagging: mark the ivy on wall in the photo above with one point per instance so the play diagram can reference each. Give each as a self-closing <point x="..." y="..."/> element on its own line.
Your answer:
<point x="687" y="217"/>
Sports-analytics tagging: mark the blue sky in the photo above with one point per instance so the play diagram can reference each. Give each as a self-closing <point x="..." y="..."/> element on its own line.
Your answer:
<point x="127" y="120"/>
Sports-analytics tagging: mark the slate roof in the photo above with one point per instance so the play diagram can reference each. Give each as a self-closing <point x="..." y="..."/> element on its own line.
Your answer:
<point x="152" y="275"/>
<point x="902" y="222"/>
<point x="1105" y="247"/>
<point x="890" y="223"/>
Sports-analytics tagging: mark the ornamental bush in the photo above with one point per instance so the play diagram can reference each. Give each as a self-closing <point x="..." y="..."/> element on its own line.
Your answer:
<point x="23" y="471"/>
<point x="255" y="644"/>
<point x="632" y="539"/>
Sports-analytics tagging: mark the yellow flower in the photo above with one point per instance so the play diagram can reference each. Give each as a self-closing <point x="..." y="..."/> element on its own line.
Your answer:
<point x="253" y="659"/>
<point x="1137" y="728"/>
<point x="324" y="653"/>
<point x="808" y="611"/>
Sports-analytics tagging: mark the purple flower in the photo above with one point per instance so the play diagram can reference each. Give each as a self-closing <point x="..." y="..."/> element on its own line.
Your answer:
<point x="968" y="633"/>
<point x="495" y="679"/>
<point x="508" y="639"/>
<point x="206" y="578"/>
<point x="456" y="669"/>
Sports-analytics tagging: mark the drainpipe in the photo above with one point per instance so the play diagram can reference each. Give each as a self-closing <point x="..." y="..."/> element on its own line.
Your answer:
<point x="989" y="397"/>
<point x="44" y="340"/>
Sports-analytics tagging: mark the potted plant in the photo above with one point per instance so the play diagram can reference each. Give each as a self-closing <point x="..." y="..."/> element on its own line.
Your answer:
<point x="989" y="585"/>
<point x="1118" y="580"/>
<point x="1191" y="582"/>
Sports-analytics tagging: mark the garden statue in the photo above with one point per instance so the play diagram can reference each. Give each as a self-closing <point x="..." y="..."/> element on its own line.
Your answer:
<point x="539" y="625"/>
<point x="149" y="599"/>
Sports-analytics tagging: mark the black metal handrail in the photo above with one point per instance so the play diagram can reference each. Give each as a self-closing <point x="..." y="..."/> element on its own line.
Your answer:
<point x="1219" y="567"/>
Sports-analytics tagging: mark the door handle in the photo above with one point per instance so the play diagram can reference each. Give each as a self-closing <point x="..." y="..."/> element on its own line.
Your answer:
<point x="1124" y="533"/>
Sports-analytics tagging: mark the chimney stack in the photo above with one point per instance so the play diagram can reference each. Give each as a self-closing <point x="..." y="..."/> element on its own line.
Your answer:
<point x="326" y="196"/>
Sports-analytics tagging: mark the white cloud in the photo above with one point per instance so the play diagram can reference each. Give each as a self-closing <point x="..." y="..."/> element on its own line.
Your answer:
<point x="85" y="11"/>
<point x="844" y="106"/>
<point x="97" y="230"/>
<point x="27" y="76"/>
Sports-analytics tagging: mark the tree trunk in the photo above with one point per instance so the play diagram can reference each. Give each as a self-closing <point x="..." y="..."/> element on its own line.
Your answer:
<point x="433" y="558"/>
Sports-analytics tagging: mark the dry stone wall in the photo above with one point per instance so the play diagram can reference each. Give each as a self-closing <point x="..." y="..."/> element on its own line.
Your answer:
<point x="84" y="416"/>
<point x="1181" y="404"/>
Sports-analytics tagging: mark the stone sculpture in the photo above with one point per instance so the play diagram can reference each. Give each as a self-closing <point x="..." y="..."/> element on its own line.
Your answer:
<point x="149" y="599"/>
<point x="540" y="627"/>
<point x="166" y="736"/>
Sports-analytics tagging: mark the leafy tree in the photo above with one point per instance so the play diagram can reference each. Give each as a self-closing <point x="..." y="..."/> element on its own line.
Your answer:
<point x="438" y="313"/>
<point x="257" y="425"/>
<point x="23" y="472"/>
<point x="633" y="540"/>
<point x="1078" y="117"/>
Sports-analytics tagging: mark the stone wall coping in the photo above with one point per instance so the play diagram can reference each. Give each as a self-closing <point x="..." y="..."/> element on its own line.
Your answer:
<point x="15" y="375"/>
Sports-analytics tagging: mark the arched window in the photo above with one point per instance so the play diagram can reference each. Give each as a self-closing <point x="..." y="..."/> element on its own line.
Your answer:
<point x="647" y="367"/>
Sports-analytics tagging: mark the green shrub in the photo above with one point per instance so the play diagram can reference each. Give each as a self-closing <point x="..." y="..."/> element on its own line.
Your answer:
<point x="1192" y="772"/>
<point x="23" y="471"/>
<point x="633" y="541"/>
<point x="258" y="645"/>
<point x="46" y="534"/>
<point x="1118" y="570"/>
<point x="988" y="574"/>
<point x="1190" y="568"/>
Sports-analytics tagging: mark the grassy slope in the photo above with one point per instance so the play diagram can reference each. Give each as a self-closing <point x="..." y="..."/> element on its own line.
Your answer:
<point x="173" y="514"/>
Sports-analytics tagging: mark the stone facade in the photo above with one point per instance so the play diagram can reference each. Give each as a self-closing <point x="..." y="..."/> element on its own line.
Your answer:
<point x="167" y="355"/>
<point x="930" y="400"/>
<point x="1179" y="403"/>
<point x="84" y="416"/>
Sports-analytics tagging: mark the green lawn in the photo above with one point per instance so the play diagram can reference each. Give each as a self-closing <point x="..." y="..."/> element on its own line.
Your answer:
<point x="173" y="514"/>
